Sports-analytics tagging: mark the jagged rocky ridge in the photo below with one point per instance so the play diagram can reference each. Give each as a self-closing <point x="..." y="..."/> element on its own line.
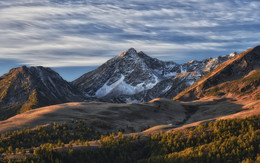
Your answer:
<point x="25" y="88"/>
<point x="135" y="77"/>
<point x="237" y="76"/>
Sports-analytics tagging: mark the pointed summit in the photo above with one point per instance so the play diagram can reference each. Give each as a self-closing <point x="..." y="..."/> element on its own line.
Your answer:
<point x="129" y="53"/>
<point x="128" y="76"/>
<point x="25" y="88"/>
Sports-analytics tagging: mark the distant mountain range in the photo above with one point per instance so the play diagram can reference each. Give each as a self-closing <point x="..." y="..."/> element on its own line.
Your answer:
<point x="129" y="77"/>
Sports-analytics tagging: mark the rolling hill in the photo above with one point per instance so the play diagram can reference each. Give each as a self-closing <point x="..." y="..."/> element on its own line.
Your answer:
<point x="113" y="116"/>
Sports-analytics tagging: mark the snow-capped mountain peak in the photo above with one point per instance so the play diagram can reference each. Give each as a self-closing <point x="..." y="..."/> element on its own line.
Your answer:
<point x="132" y="73"/>
<point x="128" y="73"/>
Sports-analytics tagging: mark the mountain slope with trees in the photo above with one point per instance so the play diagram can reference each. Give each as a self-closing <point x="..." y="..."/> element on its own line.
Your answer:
<point x="233" y="140"/>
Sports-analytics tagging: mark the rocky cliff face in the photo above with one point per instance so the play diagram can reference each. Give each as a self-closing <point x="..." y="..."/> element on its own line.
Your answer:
<point x="135" y="77"/>
<point x="24" y="88"/>
<point x="234" y="69"/>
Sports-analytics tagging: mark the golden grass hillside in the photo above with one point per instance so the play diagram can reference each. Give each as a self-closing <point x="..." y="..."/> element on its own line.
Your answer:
<point x="106" y="116"/>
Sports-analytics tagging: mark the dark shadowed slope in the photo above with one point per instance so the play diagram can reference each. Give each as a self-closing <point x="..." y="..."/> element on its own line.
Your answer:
<point x="108" y="116"/>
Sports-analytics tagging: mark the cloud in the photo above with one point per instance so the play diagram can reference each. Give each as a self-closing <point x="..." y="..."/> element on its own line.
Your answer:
<point x="59" y="33"/>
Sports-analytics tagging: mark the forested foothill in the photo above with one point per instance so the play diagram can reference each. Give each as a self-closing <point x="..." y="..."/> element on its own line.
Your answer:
<point x="232" y="140"/>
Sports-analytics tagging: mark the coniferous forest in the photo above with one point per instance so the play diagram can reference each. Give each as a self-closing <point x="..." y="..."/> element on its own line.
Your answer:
<point x="234" y="140"/>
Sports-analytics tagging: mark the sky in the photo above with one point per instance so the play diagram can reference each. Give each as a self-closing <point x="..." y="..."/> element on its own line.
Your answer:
<point x="76" y="36"/>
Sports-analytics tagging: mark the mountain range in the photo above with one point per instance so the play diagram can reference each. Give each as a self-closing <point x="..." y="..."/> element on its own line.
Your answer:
<point x="230" y="89"/>
<point x="217" y="97"/>
<point x="135" y="77"/>
<point x="129" y="77"/>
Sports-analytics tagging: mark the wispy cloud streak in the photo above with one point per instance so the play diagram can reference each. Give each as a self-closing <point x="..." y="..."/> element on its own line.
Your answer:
<point x="59" y="33"/>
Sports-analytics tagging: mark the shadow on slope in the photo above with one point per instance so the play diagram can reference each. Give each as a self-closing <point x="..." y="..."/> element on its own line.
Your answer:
<point x="206" y="110"/>
<point x="108" y="117"/>
<point x="202" y="110"/>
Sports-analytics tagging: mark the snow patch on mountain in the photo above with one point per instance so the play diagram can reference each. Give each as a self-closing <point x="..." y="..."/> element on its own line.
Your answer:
<point x="121" y="87"/>
<point x="166" y="89"/>
<point x="170" y="74"/>
<point x="105" y="89"/>
<point x="38" y="69"/>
